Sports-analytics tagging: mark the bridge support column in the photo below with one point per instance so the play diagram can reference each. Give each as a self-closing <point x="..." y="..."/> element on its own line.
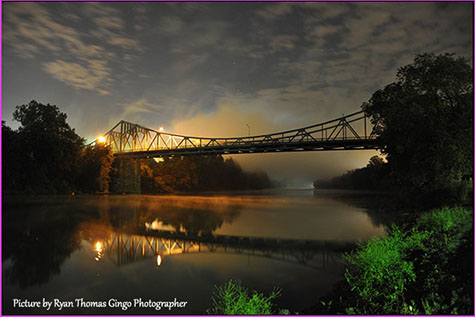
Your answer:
<point x="127" y="179"/>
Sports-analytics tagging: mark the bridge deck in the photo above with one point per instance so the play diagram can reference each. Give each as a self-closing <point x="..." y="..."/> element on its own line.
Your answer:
<point x="255" y="148"/>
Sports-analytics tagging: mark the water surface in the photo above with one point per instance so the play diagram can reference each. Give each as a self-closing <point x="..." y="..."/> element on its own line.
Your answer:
<point x="158" y="248"/>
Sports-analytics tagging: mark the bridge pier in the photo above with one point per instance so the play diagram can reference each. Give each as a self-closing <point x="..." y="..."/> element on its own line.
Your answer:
<point x="127" y="179"/>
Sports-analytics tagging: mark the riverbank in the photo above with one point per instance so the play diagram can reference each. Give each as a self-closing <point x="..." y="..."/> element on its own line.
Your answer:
<point x="422" y="268"/>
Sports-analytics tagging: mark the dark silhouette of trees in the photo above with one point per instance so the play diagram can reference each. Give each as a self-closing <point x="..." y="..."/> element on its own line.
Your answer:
<point x="95" y="169"/>
<point x="41" y="155"/>
<point x="200" y="173"/>
<point x="12" y="158"/>
<point x="45" y="155"/>
<point x="425" y="121"/>
<point x="372" y="177"/>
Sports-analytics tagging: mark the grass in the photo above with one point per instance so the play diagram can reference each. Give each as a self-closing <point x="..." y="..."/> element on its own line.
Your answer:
<point x="424" y="269"/>
<point x="234" y="299"/>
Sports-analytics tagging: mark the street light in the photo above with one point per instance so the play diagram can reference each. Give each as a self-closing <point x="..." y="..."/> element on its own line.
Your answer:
<point x="248" y="129"/>
<point x="101" y="139"/>
<point x="161" y="129"/>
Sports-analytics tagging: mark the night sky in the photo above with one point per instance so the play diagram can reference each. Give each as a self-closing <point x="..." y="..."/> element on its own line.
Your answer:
<point x="208" y="69"/>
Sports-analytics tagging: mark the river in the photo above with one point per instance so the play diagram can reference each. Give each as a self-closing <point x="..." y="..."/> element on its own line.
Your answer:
<point x="95" y="253"/>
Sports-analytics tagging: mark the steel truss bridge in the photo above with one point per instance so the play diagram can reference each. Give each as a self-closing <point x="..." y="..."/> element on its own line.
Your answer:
<point x="125" y="247"/>
<point x="350" y="132"/>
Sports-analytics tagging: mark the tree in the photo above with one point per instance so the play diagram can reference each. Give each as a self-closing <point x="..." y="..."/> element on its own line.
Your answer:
<point x="47" y="149"/>
<point x="425" y="122"/>
<point x="12" y="158"/>
<point x="95" y="169"/>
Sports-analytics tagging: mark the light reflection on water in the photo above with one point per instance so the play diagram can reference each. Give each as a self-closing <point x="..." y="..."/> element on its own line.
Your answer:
<point x="161" y="247"/>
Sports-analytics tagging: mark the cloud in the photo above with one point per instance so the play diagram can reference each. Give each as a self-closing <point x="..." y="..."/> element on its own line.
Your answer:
<point x="190" y="62"/>
<point x="25" y="50"/>
<point x="30" y="23"/>
<point x="361" y="51"/>
<point x="109" y="25"/>
<point x="197" y="36"/>
<point x="363" y="28"/>
<point x="32" y="31"/>
<point x="92" y="77"/>
<point x="226" y="121"/>
<point x="275" y="10"/>
<point x="140" y="16"/>
<point x="171" y="25"/>
<point x="332" y="10"/>
<point x="140" y="106"/>
<point x="320" y="31"/>
<point x="121" y="41"/>
<point x="283" y="42"/>
<point x="136" y="111"/>
<point x="110" y="22"/>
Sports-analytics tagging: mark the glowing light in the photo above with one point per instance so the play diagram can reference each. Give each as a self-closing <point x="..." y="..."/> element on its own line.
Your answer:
<point x="161" y="129"/>
<point x="98" y="246"/>
<point x="159" y="260"/>
<point x="101" y="139"/>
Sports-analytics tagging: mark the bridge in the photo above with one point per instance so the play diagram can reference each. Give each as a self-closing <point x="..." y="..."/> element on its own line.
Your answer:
<point x="125" y="246"/>
<point x="350" y="132"/>
<point x="131" y="142"/>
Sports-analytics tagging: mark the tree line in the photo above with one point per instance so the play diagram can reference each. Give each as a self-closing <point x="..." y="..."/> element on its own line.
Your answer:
<point x="45" y="155"/>
<point x="424" y="121"/>
<point x="371" y="177"/>
<point x="198" y="173"/>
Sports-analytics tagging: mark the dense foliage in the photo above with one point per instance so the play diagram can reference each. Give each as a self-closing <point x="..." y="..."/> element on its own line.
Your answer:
<point x="425" y="122"/>
<point x="234" y="299"/>
<point x="372" y="177"/>
<point x="425" y="268"/>
<point x="203" y="173"/>
<point x="45" y="155"/>
<point x="96" y="169"/>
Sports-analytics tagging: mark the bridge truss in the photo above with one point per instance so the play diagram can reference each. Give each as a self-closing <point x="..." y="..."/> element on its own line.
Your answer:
<point x="350" y="132"/>
<point x="128" y="247"/>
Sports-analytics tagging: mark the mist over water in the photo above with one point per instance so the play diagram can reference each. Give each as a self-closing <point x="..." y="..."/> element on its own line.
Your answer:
<point x="299" y="170"/>
<point x="177" y="246"/>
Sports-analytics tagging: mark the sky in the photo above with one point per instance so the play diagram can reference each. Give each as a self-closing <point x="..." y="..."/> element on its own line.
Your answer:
<point x="213" y="69"/>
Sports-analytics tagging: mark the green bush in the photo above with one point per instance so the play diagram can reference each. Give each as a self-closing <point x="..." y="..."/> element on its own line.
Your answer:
<point x="234" y="299"/>
<point x="427" y="269"/>
<point x="441" y="248"/>
<point x="379" y="274"/>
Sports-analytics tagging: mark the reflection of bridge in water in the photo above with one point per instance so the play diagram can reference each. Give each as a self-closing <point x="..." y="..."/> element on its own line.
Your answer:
<point x="125" y="247"/>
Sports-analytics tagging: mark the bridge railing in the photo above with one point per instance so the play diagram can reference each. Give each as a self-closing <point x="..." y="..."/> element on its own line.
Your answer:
<point x="129" y="137"/>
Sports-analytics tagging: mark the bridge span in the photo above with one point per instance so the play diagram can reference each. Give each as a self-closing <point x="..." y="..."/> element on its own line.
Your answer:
<point x="125" y="246"/>
<point x="350" y="132"/>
